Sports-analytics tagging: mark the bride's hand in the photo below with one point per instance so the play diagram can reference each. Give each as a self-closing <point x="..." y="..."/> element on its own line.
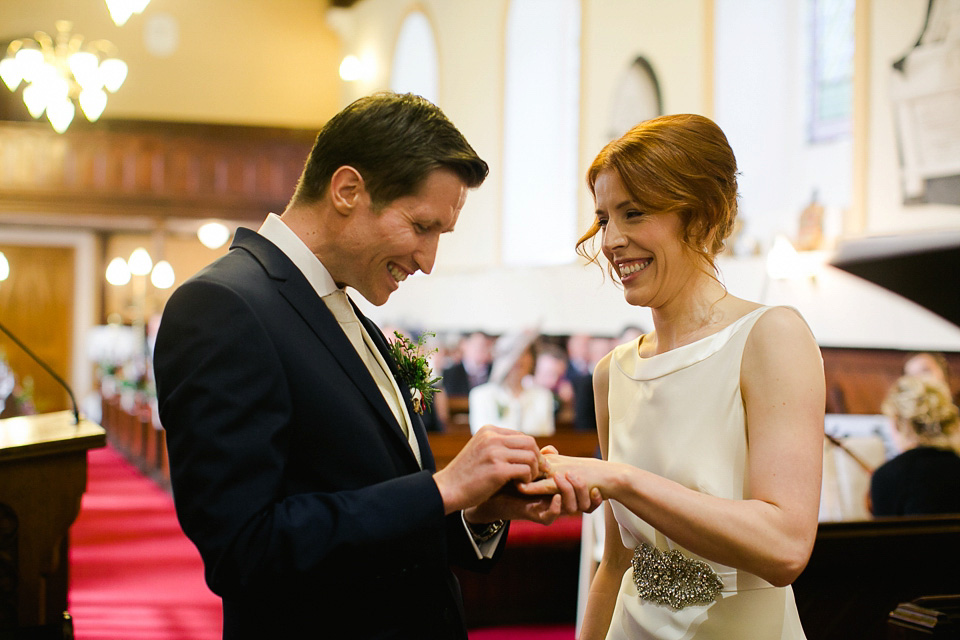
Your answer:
<point x="559" y="472"/>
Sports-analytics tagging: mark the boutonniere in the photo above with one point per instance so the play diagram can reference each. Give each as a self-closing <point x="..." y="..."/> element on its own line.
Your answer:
<point x="414" y="370"/>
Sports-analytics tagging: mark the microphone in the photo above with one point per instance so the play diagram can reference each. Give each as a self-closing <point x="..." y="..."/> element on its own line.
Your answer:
<point x="46" y="367"/>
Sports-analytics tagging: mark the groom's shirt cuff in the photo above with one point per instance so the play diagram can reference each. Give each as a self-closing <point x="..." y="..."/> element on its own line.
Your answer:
<point x="486" y="549"/>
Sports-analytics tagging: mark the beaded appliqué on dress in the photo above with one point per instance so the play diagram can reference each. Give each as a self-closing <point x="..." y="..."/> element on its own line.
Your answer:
<point x="671" y="578"/>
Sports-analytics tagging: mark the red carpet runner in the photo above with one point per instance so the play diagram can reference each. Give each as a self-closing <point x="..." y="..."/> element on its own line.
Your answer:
<point x="135" y="576"/>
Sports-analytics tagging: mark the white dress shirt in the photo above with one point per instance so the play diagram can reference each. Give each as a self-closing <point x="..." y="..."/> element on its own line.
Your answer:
<point x="277" y="232"/>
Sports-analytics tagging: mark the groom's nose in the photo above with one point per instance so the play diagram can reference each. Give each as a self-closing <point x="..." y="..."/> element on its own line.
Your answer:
<point x="426" y="255"/>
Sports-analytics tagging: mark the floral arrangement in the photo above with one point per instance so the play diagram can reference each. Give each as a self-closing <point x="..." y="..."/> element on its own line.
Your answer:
<point x="414" y="370"/>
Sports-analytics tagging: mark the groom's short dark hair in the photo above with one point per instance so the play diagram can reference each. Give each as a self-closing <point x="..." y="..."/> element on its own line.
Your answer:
<point x="394" y="141"/>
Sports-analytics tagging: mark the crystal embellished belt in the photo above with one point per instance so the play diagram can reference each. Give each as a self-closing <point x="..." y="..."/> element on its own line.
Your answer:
<point x="671" y="578"/>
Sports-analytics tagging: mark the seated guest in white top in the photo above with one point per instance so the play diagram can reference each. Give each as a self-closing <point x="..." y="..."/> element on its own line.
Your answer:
<point x="511" y="398"/>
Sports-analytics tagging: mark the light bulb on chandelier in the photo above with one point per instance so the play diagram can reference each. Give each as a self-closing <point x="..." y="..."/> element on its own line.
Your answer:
<point x="121" y="10"/>
<point x="58" y="71"/>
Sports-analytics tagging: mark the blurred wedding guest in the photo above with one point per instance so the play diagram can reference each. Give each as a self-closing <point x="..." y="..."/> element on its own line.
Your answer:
<point x="436" y="415"/>
<point x="7" y="381"/>
<point x="710" y="425"/>
<point x="474" y="366"/>
<point x="512" y="398"/>
<point x="584" y="407"/>
<point x="932" y="365"/>
<point x="629" y="332"/>
<point x="550" y="371"/>
<point x="926" y="364"/>
<point x="925" y="477"/>
<point x="578" y="355"/>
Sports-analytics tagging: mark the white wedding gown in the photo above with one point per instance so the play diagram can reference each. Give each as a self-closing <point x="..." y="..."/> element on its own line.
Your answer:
<point x="680" y="415"/>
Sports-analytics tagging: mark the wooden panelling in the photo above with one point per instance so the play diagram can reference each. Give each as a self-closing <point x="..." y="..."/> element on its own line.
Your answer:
<point x="858" y="379"/>
<point x="36" y="305"/>
<point x="150" y="169"/>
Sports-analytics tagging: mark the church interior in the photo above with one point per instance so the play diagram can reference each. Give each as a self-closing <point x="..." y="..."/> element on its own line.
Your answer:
<point x="839" y="112"/>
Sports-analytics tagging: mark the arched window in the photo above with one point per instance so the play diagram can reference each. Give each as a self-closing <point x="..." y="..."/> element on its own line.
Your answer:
<point x="637" y="98"/>
<point x="541" y="125"/>
<point x="415" y="58"/>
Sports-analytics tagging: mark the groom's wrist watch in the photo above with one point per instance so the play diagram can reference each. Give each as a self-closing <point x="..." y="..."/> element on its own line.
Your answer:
<point x="484" y="531"/>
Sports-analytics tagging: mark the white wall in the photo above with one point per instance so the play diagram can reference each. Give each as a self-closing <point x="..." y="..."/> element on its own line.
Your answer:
<point x="762" y="60"/>
<point x="759" y="89"/>
<point x="670" y="34"/>
<point x="470" y="35"/>
<point x="470" y="42"/>
<point x="894" y="28"/>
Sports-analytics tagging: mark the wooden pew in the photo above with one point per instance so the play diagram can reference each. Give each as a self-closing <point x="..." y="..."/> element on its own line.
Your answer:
<point x="861" y="571"/>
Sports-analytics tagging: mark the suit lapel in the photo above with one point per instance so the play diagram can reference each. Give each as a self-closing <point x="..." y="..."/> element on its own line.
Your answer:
<point x="426" y="456"/>
<point x="295" y="288"/>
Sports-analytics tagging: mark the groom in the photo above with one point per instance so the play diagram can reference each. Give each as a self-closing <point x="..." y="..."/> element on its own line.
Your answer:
<point x="299" y="467"/>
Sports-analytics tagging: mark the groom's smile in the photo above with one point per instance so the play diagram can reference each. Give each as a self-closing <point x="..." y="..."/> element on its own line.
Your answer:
<point x="387" y="246"/>
<point x="398" y="274"/>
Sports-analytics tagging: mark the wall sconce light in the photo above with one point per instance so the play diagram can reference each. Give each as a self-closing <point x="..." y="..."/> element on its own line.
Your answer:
<point x="213" y="235"/>
<point x="162" y="275"/>
<point x="140" y="262"/>
<point x="353" y="68"/>
<point x="120" y="271"/>
<point x="4" y="267"/>
<point x="783" y="262"/>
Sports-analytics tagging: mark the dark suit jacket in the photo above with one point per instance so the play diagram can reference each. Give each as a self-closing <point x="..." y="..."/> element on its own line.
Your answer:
<point x="289" y="472"/>
<point x="456" y="380"/>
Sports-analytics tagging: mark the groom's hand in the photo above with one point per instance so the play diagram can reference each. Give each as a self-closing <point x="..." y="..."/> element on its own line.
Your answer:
<point x="572" y="497"/>
<point x="491" y="459"/>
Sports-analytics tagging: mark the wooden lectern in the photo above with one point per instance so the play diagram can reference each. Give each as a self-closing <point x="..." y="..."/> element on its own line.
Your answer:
<point x="43" y="474"/>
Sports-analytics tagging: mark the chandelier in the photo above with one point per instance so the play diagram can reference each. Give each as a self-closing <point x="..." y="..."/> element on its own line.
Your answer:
<point x="60" y="70"/>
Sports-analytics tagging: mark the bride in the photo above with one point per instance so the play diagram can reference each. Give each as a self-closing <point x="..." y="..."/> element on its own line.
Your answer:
<point x="711" y="425"/>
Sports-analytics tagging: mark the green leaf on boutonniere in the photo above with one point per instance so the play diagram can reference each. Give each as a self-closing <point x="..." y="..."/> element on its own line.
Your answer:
<point x="414" y="370"/>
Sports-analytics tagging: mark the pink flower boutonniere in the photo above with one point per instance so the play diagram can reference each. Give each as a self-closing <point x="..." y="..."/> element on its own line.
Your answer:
<point x="414" y="370"/>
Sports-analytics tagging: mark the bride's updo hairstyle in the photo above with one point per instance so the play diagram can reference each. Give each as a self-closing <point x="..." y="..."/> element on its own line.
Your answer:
<point x="679" y="163"/>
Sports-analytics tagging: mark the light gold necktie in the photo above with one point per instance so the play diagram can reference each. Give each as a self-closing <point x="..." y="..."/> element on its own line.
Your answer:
<point x="342" y="310"/>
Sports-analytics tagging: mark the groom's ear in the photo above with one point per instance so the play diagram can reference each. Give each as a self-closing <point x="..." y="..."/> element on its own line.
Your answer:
<point x="347" y="190"/>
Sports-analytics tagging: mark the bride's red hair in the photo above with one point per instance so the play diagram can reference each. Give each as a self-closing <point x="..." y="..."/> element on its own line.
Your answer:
<point x="679" y="163"/>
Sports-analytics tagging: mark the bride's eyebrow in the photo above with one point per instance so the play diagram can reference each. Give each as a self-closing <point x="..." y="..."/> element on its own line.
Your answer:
<point x="618" y="207"/>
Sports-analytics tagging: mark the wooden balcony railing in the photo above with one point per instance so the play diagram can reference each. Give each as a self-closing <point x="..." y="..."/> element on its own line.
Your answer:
<point x="153" y="169"/>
